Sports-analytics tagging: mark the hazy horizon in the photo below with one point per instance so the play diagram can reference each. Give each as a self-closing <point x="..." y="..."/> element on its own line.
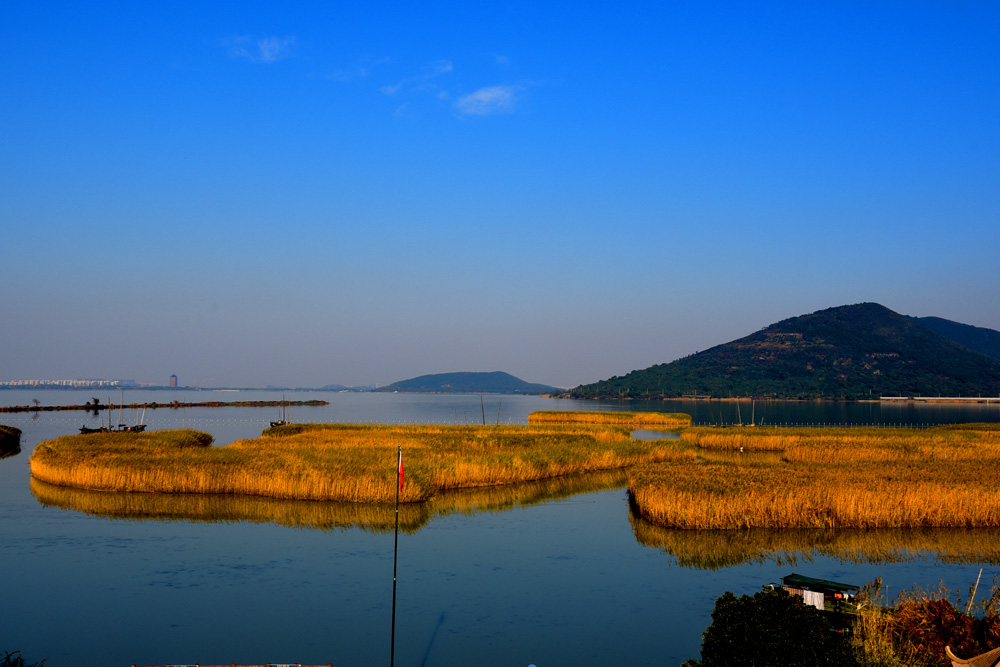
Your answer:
<point x="259" y="194"/>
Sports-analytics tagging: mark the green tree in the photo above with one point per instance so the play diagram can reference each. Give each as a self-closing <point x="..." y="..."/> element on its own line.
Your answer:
<point x="771" y="628"/>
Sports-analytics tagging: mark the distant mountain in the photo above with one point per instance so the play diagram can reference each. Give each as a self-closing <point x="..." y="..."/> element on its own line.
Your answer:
<point x="978" y="339"/>
<point x="496" y="382"/>
<point x="852" y="352"/>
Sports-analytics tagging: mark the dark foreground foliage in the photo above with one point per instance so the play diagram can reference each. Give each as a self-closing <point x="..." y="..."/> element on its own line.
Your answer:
<point x="923" y="627"/>
<point x="771" y="628"/>
<point x="14" y="659"/>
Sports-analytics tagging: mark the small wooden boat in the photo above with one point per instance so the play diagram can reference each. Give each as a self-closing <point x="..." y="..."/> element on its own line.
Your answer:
<point x="283" y="415"/>
<point x="988" y="659"/>
<point x="122" y="428"/>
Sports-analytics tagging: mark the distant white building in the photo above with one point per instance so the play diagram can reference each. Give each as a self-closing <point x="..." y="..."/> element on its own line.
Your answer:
<point x="83" y="384"/>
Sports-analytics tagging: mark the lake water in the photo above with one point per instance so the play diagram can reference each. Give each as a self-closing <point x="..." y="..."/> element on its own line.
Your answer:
<point x="504" y="579"/>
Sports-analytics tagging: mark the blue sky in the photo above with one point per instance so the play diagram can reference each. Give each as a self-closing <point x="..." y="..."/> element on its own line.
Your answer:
<point x="254" y="193"/>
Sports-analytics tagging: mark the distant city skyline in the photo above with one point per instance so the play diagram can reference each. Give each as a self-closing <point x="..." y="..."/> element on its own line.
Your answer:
<point x="263" y="194"/>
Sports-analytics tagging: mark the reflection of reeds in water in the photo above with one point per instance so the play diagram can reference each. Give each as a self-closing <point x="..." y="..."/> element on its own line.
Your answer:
<point x="316" y="514"/>
<point x="10" y="440"/>
<point x="231" y="508"/>
<point x="499" y="498"/>
<point x="712" y="549"/>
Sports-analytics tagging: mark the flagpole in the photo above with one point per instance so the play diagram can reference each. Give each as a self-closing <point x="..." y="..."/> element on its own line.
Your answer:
<point x="395" y="550"/>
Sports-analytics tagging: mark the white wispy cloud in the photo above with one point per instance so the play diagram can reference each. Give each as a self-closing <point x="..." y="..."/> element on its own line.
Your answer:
<point x="488" y="101"/>
<point x="260" y="49"/>
<point x="424" y="81"/>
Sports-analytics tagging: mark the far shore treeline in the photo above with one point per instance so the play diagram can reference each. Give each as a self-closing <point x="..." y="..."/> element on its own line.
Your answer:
<point x="854" y="352"/>
<point x="96" y="406"/>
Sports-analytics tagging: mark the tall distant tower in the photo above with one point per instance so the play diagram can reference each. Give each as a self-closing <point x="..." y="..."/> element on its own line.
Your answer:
<point x="173" y="382"/>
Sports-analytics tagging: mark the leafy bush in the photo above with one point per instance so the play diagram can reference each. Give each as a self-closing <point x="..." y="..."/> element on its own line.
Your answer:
<point x="770" y="628"/>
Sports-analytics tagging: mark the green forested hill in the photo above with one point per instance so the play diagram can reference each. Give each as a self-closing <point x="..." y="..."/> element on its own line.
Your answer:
<point x="978" y="339"/>
<point x="496" y="382"/>
<point x="858" y="351"/>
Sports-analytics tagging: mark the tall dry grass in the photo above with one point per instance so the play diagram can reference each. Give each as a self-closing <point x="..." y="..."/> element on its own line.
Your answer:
<point x="346" y="462"/>
<point x="827" y="478"/>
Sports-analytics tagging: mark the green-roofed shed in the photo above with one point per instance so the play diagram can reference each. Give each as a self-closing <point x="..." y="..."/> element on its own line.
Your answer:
<point x="824" y="586"/>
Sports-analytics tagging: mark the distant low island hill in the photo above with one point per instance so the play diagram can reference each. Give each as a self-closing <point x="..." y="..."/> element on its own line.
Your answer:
<point x="496" y="382"/>
<point x="851" y="352"/>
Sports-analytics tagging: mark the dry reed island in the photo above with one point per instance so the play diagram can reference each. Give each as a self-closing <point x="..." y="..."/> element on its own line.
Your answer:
<point x="707" y="478"/>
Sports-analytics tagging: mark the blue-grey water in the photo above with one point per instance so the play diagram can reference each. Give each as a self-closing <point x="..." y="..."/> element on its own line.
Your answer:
<point x="563" y="582"/>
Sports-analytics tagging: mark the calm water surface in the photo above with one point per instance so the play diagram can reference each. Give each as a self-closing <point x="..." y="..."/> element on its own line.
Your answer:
<point x="563" y="582"/>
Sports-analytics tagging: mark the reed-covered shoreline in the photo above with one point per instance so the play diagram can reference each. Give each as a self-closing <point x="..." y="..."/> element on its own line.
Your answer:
<point x="826" y="478"/>
<point x="340" y="462"/>
<point x="707" y="479"/>
<point x="669" y="420"/>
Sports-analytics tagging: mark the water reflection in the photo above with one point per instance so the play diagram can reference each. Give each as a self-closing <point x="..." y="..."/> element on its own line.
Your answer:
<point x="739" y="456"/>
<point x="716" y="549"/>
<point x="647" y="434"/>
<point x="315" y="514"/>
<point x="10" y="441"/>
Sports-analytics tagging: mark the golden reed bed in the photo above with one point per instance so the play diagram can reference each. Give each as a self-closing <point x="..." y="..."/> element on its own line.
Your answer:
<point x="709" y="478"/>
<point x="669" y="420"/>
<point x="826" y="478"/>
<point x="340" y="462"/>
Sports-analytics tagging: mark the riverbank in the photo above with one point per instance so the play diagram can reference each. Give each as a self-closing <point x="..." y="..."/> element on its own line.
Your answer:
<point x="609" y="417"/>
<point x="707" y="478"/>
<point x="755" y="477"/>
<point x="342" y="462"/>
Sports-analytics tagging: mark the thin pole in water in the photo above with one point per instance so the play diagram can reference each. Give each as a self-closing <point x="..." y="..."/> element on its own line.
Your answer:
<point x="395" y="551"/>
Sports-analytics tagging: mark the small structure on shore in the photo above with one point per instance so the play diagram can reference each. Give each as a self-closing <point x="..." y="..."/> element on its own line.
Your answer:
<point x="830" y="596"/>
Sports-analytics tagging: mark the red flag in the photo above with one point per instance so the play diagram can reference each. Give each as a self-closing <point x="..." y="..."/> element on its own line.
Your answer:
<point x="400" y="471"/>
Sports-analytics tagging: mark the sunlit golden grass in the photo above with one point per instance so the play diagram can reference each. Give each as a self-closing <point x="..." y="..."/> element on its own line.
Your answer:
<point x="635" y="419"/>
<point x="827" y="478"/>
<point x="341" y="462"/>
<point x="375" y="517"/>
